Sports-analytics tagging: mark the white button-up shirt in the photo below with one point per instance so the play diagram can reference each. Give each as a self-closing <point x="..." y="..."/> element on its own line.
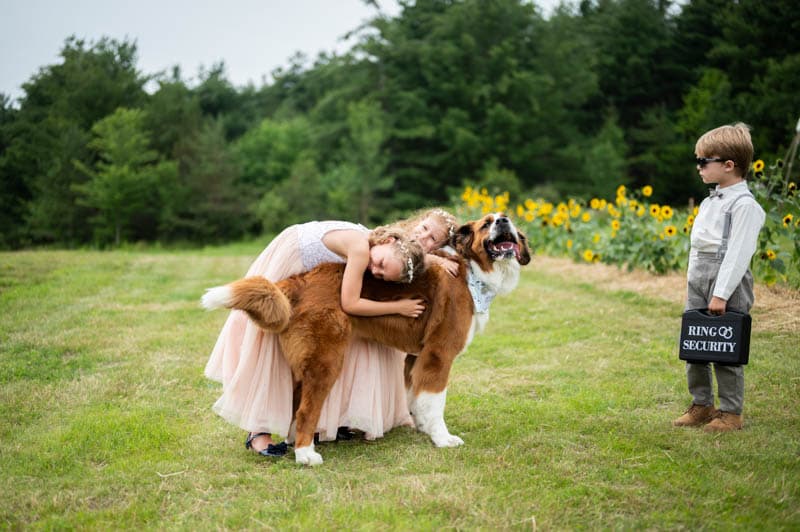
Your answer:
<point x="746" y="221"/>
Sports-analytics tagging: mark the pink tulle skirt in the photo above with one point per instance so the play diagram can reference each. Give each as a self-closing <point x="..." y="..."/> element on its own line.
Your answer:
<point x="257" y="382"/>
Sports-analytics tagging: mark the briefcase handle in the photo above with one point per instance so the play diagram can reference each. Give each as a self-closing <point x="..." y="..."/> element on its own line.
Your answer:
<point x="705" y="312"/>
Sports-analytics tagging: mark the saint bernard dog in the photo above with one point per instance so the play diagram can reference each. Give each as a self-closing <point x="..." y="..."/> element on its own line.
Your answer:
<point x="314" y="331"/>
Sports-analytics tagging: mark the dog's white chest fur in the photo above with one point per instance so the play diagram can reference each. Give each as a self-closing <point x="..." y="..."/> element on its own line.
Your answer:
<point x="502" y="279"/>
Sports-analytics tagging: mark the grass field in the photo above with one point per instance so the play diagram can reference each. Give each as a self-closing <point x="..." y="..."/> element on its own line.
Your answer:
<point x="564" y="404"/>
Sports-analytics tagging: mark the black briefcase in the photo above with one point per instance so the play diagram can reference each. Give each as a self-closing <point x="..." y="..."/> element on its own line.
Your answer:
<point x="721" y="339"/>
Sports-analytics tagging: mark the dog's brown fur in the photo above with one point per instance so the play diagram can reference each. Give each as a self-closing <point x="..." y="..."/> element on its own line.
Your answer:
<point x="314" y="331"/>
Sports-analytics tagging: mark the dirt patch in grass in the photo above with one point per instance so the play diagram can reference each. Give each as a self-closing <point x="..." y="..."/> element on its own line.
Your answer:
<point x="777" y="307"/>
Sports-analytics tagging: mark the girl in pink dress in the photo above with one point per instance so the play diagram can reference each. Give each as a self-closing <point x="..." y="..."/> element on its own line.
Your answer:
<point x="369" y="395"/>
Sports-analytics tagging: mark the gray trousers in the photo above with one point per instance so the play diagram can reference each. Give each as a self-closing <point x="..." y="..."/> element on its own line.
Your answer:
<point x="701" y="277"/>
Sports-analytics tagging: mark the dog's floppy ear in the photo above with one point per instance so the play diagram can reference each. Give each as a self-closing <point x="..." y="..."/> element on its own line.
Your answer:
<point x="462" y="238"/>
<point x="524" y="250"/>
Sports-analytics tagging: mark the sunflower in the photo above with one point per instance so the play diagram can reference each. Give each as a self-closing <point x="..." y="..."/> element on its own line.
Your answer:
<point x="770" y="255"/>
<point x="640" y="211"/>
<point x="596" y="238"/>
<point x="666" y="212"/>
<point x="791" y="188"/>
<point x="655" y="210"/>
<point x="620" y="190"/>
<point x="586" y="217"/>
<point x="787" y="220"/>
<point x="690" y="220"/>
<point x="594" y="203"/>
<point x="670" y="230"/>
<point x="569" y="244"/>
<point x="615" y="225"/>
<point x="588" y="255"/>
<point x="520" y="211"/>
<point x="647" y="191"/>
<point x="758" y="165"/>
<point x="528" y="216"/>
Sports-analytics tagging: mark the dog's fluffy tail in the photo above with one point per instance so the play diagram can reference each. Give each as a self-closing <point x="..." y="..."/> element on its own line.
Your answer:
<point x="261" y="299"/>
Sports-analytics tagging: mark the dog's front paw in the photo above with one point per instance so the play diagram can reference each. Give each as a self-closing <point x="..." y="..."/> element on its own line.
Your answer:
<point x="307" y="456"/>
<point x="447" y="440"/>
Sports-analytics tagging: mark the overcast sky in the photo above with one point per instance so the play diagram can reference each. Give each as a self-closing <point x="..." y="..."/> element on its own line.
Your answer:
<point x="252" y="37"/>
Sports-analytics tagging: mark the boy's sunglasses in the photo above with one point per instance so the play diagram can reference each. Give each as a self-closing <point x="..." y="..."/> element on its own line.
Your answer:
<point x="702" y="161"/>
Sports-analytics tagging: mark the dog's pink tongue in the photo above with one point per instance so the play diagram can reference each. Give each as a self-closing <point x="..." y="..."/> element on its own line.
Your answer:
<point x="508" y="246"/>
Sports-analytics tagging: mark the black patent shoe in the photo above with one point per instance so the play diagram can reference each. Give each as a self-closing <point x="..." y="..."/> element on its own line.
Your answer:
<point x="344" y="434"/>
<point x="273" y="449"/>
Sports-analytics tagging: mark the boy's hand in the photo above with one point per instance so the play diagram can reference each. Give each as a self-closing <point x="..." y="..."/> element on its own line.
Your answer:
<point x="410" y="308"/>
<point x="717" y="306"/>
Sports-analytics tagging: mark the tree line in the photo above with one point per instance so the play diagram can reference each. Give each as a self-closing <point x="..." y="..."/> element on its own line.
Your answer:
<point x="448" y="92"/>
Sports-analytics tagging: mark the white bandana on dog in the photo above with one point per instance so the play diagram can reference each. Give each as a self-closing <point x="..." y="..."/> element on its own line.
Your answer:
<point x="482" y="293"/>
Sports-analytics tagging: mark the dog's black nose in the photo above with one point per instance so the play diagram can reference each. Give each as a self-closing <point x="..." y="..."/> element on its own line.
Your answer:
<point x="502" y="220"/>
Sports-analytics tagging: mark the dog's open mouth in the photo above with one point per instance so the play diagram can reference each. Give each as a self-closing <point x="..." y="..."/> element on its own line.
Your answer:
<point x="504" y="246"/>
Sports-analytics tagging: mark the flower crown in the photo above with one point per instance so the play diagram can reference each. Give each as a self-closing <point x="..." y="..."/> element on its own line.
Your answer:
<point x="409" y="262"/>
<point x="448" y="218"/>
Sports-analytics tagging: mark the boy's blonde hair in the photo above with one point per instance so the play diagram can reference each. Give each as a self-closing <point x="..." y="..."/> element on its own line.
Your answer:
<point x="409" y="251"/>
<point x="730" y="142"/>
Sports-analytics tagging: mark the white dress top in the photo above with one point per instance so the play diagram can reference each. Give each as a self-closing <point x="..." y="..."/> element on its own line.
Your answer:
<point x="312" y="250"/>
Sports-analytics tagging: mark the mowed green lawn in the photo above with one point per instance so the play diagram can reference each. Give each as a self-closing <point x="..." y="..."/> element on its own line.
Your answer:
<point x="564" y="403"/>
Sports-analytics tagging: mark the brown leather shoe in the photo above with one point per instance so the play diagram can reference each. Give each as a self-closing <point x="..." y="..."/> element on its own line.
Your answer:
<point x="695" y="416"/>
<point x="725" y="422"/>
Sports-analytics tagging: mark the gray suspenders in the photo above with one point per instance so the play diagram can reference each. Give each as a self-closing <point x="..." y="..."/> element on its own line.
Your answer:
<point x="726" y="230"/>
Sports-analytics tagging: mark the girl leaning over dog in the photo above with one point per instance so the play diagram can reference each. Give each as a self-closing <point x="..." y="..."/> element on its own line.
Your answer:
<point x="370" y="392"/>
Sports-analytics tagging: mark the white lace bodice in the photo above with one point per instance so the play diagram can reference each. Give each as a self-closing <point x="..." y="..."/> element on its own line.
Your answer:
<point x="312" y="250"/>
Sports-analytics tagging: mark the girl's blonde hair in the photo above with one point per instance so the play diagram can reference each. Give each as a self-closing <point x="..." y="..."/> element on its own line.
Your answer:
<point x="409" y="251"/>
<point x="444" y="218"/>
<point x="730" y="142"/>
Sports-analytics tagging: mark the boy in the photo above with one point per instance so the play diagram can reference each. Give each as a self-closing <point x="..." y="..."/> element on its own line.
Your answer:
<point x="721" y="283"/>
